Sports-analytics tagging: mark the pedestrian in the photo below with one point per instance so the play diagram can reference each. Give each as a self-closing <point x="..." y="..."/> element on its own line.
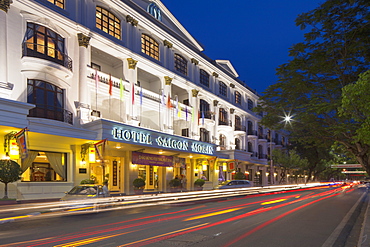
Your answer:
<point x="203" y="177"/>
<point x="105" y="189"/>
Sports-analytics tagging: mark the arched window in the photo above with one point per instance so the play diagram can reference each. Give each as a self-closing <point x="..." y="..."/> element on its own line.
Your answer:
<point x="181" y="65"/>
<point x="222" y="142"/>
<point x="237" y="144"/>
<point x="238" y="121"/>
<point x="250" y="104"/>
<point x="260" y="152"/>
<point x="250" y="147"/>
<point x="204" y="78"/>
<point x="238" y="98"/>
<point x="44" y="43"/>
<point x="149" y="46"/>
<point x="204" y="135"/>
<point x="108" y="22"/>
<point x="204" y="109"/>
<point x="59" y="3"/>
<point x="155" y="11"/>
<point x="250" y="128"/>
<point x="49" y="101"/>
<point x="222" y="88"/>
<point x="222" y="120"/>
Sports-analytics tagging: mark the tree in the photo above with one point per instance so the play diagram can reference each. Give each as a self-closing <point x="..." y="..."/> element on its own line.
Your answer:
<point x="10" y="172"/>
<point x="288" y="162"/>
<point x="334" y="52"/>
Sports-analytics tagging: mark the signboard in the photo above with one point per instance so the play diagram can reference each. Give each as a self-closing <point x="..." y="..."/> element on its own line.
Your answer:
<point x="347" y="166"/>
<point x="145" y="137"/>
<point x="151" y="159"/>
<point x="115" y="173"/>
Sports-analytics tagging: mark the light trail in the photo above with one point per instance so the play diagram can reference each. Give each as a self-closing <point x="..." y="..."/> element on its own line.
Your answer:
<point x="213" y="214"/>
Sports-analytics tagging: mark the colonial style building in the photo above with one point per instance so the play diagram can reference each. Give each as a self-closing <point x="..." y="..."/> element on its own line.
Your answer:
<point x="118" y="89"/>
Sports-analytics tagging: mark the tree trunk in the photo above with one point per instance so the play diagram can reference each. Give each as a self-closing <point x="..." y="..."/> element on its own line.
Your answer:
<point x="5" y="191"/>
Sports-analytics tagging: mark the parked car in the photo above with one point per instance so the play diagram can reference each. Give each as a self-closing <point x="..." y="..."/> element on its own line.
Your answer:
<point x="232" y="184"/>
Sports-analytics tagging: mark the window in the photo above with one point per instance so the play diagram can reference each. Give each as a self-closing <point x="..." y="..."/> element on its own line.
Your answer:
<point x="204" y="78"/>
<point x="149" y="46"/>
<point x="59" y="3"/>
<point x="238" y="98"/>
<point x="250" y="104"/>
<point x="41" y="166"/>
<point x="181" y="65"/>
<point x="237" y="144"/>
<point x="43" y="42"/>
<point x="222" y="117"/>
<point x="108" y="22"/>
<point x="223" y="89"/>
<point x="155" y="11"/>
<point x="238" y="121"/>
<point x="204" y="109"/>
<point x="49" y="101"/>
<point x="204" y="135"/>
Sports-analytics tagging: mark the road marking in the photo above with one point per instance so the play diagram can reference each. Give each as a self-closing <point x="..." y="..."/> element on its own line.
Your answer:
<point x="212" y="214"/>
<point x="271" y="202"/>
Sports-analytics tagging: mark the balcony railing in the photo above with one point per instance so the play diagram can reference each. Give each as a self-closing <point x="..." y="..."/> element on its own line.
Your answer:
<point x="208" y="115"/>
<point x="52" y="112"/>
<point x="224" y="122"/>
<point x="262" y="156"/>
<point x="47" y="53"/>
<point x="240" y="128"/>
<point x="252" y="132"/>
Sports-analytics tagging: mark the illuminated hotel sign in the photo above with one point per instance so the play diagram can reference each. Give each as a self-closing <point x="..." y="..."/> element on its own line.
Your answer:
<point x="154" y="139"/>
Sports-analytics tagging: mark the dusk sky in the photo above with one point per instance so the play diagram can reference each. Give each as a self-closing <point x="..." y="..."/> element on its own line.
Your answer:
<point x="254" y="35"/>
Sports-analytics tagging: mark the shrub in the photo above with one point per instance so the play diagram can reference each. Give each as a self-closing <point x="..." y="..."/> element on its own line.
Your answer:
<point x="199" y="182"/>
<point x="174" y="183"/>
<point x="139" y="183"/>
<point x="239" y="176"/>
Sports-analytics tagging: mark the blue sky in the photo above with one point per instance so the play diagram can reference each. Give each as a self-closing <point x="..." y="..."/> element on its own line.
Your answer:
<point x="254" y="35"/>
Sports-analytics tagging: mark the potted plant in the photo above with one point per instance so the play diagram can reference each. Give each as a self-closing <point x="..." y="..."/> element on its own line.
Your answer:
<point x="198" y="184"/>
<point x="175" y="184"/>
<point x="240" y="176"/>
<point x="139" y="185"/>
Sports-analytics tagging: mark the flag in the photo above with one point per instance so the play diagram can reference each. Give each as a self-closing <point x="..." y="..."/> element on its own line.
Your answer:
<point x="100" y="149"/>
<point x="231" y="165"/>
<point x="169" y="101"/>
<point x="96" y="79"/>
<point x="202" y="117"/>
<point x="21" y="138"/>
<point x="141" y="95"/>
<point x="121" y="90"/>
<point x="186" y="113"/>
<point x="162" y="99"/>
<point x="133" y="93"/>
<point x="177" y="107"/>
<point x="110" y="84"/>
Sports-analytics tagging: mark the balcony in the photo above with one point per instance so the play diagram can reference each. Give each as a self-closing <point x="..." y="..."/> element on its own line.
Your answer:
<point x="52" y="112"/>
<point x="224" y="122"/>
<point x="47" y="53"/>
<point x="252" y="132"/>
<point x="240" y="128"/>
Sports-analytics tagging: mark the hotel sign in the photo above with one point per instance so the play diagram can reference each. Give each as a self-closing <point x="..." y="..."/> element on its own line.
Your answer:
<point x="154" y="139"/>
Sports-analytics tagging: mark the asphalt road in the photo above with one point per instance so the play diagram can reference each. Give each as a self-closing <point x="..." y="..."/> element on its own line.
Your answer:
<point x="305" y="217"/>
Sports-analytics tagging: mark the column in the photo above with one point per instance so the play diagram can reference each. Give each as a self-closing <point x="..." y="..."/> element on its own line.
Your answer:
<point x="131" y="75"/>
<point x="84" y="59"/>
<point x="194" y="116"/>
<point x="4" y="6"/>
<point x="194" y="71"/>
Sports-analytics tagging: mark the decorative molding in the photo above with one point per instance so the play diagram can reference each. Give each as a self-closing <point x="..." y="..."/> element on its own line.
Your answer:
<point x="168" y="80"/>
<point x="232" y="110"/>
<point x="215" y="74"/>
<point x="194" y="61"/>
<point x="195" y="92"/>
<point x="215" y="102"/>
<point x="5" y="5"/>
<point x="167" y="43"/>
<point x="131" y="63"/>
<point x="232" y="85"/>
<point x="83" y="40"/>
<point x="132" y="20"/>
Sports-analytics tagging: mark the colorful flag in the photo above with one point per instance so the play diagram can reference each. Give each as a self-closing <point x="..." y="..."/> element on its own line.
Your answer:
<point x="186" y="113"/>
<point x="96" y="79"/>
<point x="121" y="90"/>
<point x="100" y="149"/>
<point x="141" y="95"/>
<point x="21" y="138"/>
<point x="177" y="107"/>
<point x="162" y="99"/>
<point x="110" y="84"/>
<point x="169" y="101"/>
<point x="202" y="117"/>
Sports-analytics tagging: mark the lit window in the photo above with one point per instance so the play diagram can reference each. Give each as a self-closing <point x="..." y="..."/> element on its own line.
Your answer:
<point x="238" y="98"/>
<point x="149" y="46"/>
<point x="223" y="89"/>
<point x="181" y="65"/>
<point x="108" y="22"/>
<point x="204" y="78"/>
<point x="59" y="3"/>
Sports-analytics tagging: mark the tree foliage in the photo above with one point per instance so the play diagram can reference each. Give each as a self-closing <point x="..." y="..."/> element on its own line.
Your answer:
<point x="289" y="162"/>
<point x="10" y="172"/>
<point x="334" y="52"/>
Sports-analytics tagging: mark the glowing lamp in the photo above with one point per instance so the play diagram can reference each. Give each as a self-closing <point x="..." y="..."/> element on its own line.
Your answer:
<point x="92" y="155"/>
<point x="13" y="150"/>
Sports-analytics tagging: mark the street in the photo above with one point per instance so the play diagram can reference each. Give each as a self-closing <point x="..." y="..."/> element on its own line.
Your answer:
<point x="304" y="217"/>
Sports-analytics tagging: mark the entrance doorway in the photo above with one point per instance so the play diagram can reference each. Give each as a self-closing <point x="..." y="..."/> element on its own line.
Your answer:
<point x="151" y="175"/>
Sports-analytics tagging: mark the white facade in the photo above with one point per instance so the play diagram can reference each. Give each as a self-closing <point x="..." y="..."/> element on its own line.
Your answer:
<point x="56" y="68"/>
